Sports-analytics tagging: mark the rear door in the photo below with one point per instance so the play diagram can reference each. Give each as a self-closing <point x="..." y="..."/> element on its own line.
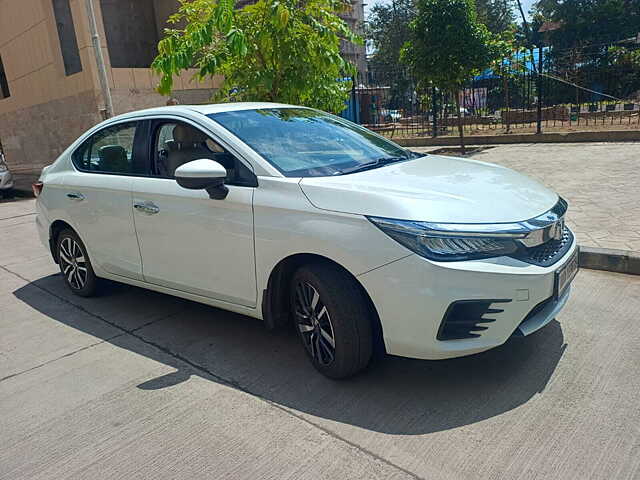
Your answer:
<point x="98" y="195"/>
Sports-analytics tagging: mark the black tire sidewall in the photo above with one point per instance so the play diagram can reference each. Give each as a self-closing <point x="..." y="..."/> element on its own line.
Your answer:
<point x="349" y="314"/>
<point x="91" y="283"/>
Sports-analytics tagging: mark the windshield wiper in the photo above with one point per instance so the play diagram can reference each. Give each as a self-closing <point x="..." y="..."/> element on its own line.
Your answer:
<point x="374" y="164"/>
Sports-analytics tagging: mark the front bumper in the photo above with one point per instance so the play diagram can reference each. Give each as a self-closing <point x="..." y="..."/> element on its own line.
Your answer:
<point x="413" y="294"/>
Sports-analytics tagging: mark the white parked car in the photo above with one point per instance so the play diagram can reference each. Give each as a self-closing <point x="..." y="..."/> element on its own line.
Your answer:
<point x="6" y="179"/>
<point x="292" y="215"/>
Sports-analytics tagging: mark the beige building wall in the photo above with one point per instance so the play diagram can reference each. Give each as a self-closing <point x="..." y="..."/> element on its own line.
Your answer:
<point x="134" y="88"/>
<point x="46" y="109"/>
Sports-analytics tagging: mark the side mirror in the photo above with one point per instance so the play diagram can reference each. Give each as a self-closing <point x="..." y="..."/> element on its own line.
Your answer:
<point x="203" y="174"/>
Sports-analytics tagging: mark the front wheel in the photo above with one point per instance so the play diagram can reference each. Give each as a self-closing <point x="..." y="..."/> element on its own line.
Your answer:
<point x="332" y="319"/>
<point x="75" y="265"/>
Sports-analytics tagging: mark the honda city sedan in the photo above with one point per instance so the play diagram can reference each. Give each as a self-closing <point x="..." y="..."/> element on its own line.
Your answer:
<point x="298" y="217"/>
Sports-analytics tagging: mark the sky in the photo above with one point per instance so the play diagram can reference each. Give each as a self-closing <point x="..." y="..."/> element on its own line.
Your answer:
<point x="526" y="5"/>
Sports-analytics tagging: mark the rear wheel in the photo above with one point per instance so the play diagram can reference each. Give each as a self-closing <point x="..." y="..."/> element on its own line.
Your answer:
<point x="75" y="265"/>
<point x="332" y="319"/>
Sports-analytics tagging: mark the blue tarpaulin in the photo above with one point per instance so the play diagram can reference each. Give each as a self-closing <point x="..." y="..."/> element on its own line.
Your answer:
<point x="517" y="61"/>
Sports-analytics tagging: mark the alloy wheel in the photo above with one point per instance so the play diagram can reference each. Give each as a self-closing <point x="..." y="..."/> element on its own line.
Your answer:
<point x="314" y="322"/>
<point x="73" y="263"/>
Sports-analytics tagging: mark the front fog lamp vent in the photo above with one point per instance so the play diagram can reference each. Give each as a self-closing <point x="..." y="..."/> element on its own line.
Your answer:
<point x="465" y="318"/>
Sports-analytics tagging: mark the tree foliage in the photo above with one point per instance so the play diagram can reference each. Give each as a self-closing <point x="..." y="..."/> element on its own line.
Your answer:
<point x="497" y="15"/>
<point x="590" y="47"/>
<point x="387" y="29"/>
<point x="585" y="22"/>
<point x="448" y="45"/>
<point x="272" y="50"/>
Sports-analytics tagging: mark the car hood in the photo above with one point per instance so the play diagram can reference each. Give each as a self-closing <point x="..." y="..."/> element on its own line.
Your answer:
<point x="435" y="189"/>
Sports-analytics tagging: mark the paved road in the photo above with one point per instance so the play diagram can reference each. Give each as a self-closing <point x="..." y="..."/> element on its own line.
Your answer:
<point x="601" y="181"/>
<point x="135" y="384"/>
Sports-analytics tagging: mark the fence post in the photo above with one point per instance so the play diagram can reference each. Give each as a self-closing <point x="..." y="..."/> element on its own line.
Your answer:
<point x="539" y="88"/>
<point x="434" y="103"/>
<point x="354" y="101"/>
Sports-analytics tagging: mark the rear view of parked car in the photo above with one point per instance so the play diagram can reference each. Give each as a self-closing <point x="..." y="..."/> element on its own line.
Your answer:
<point x="301" y="218"/>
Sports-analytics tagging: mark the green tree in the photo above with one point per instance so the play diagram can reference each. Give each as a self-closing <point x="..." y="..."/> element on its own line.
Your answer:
<point x="448" y="46"/>
<point x="497" y="15"/>
<point x="587" y="42"/>
<point x="272" y="50"/>
<point x="585" y="22"/>
<point x="387" y="29"/>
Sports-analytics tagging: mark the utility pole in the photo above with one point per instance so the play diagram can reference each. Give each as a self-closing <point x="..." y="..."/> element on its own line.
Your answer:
<point x="97" y="49"/>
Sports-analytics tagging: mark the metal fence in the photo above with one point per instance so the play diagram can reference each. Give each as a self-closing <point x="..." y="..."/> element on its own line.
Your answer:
<point x="580" y="89"/>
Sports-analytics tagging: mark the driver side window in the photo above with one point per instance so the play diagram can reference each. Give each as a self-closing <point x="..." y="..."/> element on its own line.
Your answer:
<point x="177" y="143"/>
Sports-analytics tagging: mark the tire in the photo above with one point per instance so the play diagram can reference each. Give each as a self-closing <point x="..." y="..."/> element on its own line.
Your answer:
<point x="75" y="265"/>
<point x="329" y="309"/>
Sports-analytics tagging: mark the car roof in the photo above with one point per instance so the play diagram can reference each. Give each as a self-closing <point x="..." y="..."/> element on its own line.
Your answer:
<point x="204" y="109"/>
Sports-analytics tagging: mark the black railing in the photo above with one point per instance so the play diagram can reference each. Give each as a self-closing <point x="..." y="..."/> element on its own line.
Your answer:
<point x="578" y="89"/>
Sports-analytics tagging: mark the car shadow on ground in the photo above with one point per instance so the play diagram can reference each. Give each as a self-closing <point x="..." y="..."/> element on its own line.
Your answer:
<point x="394" y="395"/>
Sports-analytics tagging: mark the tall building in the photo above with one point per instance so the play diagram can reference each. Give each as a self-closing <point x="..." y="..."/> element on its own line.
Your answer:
<point x="356" y="54"/>
<point x="49" y="86"/>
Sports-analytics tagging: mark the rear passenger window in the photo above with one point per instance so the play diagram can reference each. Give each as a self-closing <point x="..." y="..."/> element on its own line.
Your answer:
<point x="109" y="151"/>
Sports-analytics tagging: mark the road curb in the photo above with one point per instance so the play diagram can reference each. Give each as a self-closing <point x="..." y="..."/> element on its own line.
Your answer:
<point x="610" y="260"/>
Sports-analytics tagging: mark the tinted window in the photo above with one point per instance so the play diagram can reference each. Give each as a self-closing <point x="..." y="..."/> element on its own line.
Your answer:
<point x="131" y="31"/>
<point x="177" y="143"/>
<point x="4" y="84"/>
<point x="67" y="37"/>
<point x="109" y="151"/>
<point x="308" y="143"/>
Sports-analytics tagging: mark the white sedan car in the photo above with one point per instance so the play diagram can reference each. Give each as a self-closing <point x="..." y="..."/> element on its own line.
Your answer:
<point x="295" y="216"/>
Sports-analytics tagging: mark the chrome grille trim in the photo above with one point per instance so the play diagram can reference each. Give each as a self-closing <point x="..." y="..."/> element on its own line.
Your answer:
<point x="530" y="233"/>
<point x="549" y="252"/>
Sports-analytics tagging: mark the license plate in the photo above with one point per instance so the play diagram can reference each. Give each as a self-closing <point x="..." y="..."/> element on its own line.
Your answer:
<point x="566" y="273"/>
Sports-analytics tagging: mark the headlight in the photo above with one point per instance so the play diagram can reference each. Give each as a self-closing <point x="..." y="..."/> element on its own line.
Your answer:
<point x="3" y="167"/>
<point x="449" y="242"/>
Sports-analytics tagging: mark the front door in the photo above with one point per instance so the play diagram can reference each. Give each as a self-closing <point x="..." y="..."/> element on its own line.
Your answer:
<point x="188" y="241"/>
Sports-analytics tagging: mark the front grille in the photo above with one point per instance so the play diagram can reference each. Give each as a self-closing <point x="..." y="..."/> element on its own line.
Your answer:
<point x="548" y="253"/>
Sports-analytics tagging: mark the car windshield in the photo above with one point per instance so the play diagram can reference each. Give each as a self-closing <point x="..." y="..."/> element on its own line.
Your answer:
<point x="302" y="142"/>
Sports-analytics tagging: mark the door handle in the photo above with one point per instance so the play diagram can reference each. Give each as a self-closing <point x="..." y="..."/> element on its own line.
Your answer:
<point x="146" y="207"/>
<point x="75" y="196"/>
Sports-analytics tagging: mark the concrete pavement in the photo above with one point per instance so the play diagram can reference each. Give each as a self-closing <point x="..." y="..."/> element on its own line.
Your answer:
<point x="601" y="181"/>
<point x="135" y="384"/>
